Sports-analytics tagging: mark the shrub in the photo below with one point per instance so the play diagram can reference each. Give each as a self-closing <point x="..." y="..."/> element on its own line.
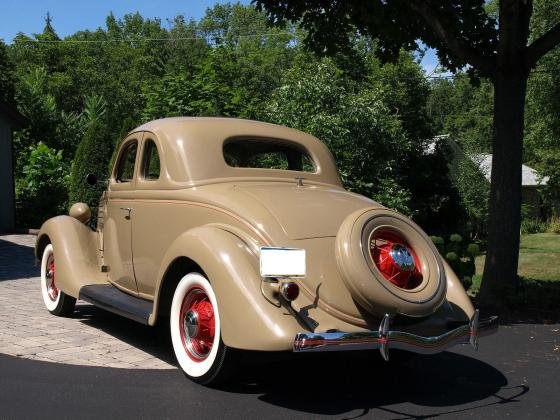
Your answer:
<point x="529" y="226"/>
<point x="455" y="237"/>
<point x="554" y="225"/>
<point x="92" y="156"/>
<point x="473" y="250"/>
<point x="438" y="242"/>
<point x="451" y="257"/>
<point x="366" y="139"/>
<point x="42" y="191"/>
<point x="459" y="256"/>
<point x="473" y="191"/>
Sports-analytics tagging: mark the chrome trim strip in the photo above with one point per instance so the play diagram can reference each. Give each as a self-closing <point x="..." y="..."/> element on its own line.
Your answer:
<point x="384" y="339"/>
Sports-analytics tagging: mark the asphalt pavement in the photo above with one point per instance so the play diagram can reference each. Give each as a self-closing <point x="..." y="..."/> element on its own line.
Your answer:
<point x="515" y="374"/>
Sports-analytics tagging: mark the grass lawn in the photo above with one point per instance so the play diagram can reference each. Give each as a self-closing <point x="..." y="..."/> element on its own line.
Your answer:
<point x="539" y="257"/>
<point x="538" y="295"/>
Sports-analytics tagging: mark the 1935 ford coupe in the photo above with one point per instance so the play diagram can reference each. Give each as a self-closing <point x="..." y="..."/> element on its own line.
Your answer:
<point x="240" y="235"/>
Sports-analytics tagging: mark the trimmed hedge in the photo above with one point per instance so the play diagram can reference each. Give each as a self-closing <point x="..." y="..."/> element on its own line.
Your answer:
<point x="92" y="157"/>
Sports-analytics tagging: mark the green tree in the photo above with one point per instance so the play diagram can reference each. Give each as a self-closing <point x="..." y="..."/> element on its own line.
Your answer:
<point x="201" y="94"/>
<point x="463" y="33"/>
<point x="463" y="110"/>
<point x="41" y="192"/>
<point x="542" y="131"/>
<point x="6" y="75"/>
<point x="92" y="156"/>
<point x="367" y="141"/>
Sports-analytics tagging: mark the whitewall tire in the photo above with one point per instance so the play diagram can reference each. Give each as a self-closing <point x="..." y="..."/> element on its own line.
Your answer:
<point x="196" y="330"/>
<point x="56" y="301"/>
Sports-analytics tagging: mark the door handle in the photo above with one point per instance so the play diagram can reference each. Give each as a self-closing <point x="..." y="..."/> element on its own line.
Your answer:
<point x="128" y="210"/>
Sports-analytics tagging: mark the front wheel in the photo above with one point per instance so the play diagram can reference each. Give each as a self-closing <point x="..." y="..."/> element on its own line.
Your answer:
<point x="57" y="302"/>
<point x="196" y="331"/>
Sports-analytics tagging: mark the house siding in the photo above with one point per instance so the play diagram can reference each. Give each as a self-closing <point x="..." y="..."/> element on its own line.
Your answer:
<point x="7" y="213"/>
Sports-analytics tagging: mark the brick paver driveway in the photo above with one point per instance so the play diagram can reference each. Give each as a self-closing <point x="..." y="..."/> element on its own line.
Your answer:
<point x="91" y="337"/>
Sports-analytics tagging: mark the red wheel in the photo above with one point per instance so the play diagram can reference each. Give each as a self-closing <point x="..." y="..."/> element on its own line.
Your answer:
<point x="196" y="331"/>
<point x="56" y="301"/>
<point x="395" y="259"/>
<point x="389" y="264"/>
<point x="198" y="324"/>
<point x="52" y="290"/>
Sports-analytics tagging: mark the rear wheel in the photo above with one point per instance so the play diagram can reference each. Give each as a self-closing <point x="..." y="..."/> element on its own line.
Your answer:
<point x="196" y="331"/>
<point x="57" y="302"/>
<point x="389" y="264"/>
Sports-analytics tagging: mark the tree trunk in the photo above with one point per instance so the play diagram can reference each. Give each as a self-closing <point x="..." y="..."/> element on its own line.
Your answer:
<point x="510" y="84"/>
<point x="500" y="269"/>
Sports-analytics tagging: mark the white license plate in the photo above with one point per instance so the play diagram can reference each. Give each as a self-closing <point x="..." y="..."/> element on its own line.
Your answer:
<point x="282" y="262"/>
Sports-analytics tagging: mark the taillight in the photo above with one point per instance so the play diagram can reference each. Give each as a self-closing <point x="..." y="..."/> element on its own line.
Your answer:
<point x="395" y="259"/>
<point x="289" y="291"/>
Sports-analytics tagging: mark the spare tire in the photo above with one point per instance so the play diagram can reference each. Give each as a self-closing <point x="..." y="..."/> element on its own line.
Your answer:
<point x="389" y="264"/>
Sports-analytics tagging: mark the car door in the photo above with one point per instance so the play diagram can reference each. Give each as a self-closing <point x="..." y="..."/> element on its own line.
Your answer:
<point x="117" y="237"/>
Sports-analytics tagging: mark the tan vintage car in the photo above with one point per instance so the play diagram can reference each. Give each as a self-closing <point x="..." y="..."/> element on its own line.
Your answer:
<point x="239" y="235"/>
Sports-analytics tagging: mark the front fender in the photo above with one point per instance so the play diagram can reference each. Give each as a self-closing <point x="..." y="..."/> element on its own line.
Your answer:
<point x="76" y="255"/>
<point x="248" y="320"/>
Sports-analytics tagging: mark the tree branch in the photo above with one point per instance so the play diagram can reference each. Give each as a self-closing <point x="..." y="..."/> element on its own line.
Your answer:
<point x="542" y="45"/>
<point x="445" y="33"/>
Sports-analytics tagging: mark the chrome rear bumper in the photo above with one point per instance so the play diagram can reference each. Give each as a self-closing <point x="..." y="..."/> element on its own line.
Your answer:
<point x="385" y="339"/>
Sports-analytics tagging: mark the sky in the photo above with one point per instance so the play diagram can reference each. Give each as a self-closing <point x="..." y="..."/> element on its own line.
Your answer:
<point x="70" y="16"/>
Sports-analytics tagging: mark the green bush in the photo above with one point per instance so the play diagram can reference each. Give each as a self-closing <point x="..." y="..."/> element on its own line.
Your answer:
<point x="554" y="225"/>
<point x="451" y="257"/>
<point x="42" y="191"/>
<point x="473" y="250"/>
<point x="473" y="191"/>
<point x="455" y="237"/>
<point x="366" y="138"/>
<point x="438" y="242"/>
<point x="529" y="226"/>
<point x="92" y="157"/>
<point x="459" y="256"/>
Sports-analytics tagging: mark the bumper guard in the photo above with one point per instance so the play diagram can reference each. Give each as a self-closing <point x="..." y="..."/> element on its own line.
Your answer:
<point x="384" y="338"/>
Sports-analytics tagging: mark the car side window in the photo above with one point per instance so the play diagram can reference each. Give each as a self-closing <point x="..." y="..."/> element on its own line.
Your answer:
<point x="151" y="161"/>
<point x="125" y="171"/>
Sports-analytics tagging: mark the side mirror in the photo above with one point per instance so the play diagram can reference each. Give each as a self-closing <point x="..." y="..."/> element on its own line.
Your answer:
<point x="91" y="179"/>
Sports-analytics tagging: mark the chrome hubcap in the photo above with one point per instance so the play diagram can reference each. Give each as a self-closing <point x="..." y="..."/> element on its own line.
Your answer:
<point x="402" y="257"/>
<point x="52" y="290"/>
<point x="197" y="324"/>
<point x="191" y="324"/>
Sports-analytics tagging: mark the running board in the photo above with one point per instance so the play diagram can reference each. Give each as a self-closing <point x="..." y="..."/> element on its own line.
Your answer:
<point x="108" y="297"/>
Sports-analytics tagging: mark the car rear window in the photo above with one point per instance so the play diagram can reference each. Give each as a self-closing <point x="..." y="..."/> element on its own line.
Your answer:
<point x="267" y="154"/>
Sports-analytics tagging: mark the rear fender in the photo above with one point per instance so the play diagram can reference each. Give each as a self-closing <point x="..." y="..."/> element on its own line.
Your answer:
<point x="248" y="320"/>
<point x="76" y="256"/>
<point x="456" y="293"/>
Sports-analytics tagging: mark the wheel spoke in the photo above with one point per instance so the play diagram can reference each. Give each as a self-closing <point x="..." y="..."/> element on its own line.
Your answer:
<point x="198" y="324"/>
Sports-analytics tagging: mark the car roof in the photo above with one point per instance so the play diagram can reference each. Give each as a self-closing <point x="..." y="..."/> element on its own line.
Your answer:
<point x="192" y="149"/>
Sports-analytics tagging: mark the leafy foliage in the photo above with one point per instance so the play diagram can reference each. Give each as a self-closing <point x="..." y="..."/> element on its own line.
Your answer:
<point x="473" y="191"/>
<point x="395" y="24"/>
<point x="542" y="128"/>
<point x="367" y="141"/>
<point x="464" y="110"/>
<point x="42" y="190"/>
<point x="199" y="95"/>
<point x="459" y="255"/>
<point x="92" y="157"/>
<point x="6" y="75"/>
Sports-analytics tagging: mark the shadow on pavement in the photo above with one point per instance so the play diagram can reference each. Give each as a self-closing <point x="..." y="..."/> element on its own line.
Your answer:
<point x="152" y="340"/>
<point x="16" y="261"/>
<point x="337" y="383"/>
